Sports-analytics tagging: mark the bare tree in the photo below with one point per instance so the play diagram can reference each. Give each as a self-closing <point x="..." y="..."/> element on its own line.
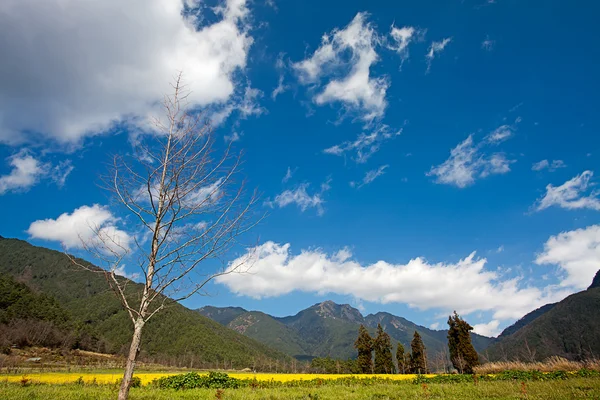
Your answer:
<point x="185" y="208"/>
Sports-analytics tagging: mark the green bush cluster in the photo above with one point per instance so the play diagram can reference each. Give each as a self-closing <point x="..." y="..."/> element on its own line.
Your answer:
<point x="193" y="380"/>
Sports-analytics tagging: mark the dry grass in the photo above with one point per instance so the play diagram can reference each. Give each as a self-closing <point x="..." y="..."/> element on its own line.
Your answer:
<point x="549" y="365"/>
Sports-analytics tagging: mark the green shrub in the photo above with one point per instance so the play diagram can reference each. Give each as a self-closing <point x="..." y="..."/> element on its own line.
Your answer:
<point x="193" y="380"/>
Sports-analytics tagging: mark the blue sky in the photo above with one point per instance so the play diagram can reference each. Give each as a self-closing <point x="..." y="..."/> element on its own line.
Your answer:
<point x="376" y="132"/>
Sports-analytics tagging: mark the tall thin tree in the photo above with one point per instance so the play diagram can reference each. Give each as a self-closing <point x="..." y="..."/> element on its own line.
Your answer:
<point x="462" y="353"/>
<point x="401" y="359"/>
<point x="418" y="358"/>
<point x="382" y="345"/>
<point x="187" y="208"/>
<point x="364" y="346"/>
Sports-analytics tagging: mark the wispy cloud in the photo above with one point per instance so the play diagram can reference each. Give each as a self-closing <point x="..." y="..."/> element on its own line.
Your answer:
<point x="365" y="145"/>
<point x="288" y="174"/>
<point x="434" y="49"/>
<point x="550" y="166"/>
<point x="488" y="44"/>
<point x="369" y="177"/>
<point x="572" y="195"/>
<point x="469" y="161"/>
<point x="300" y="197"/>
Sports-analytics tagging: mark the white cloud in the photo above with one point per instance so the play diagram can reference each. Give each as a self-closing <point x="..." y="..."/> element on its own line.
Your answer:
<point x="434" y="326"/>
<point x="500" y="249"/>
<point x="435" y="48"/>
<point x="465" y="286"/>
<point x="60" y="172"/>
<point x="120" y="270"/>
<point x="576" y="252"/>
<point x="468" y="161"/>
<point x="288" y="175"/>
<point x="94" y="226"/>
<point x="402" y="38"/>
<point x="550" y="166"/>
<point x="281" y="88"/>
<point x="26" y="172"/>
<point x="246" y="105"/>
<point x="370" y="176"/>
<point x="365" y="145"/>
<point x="488" y="44"/>
<point x="301" y="198"/>
<point x="65" y="86"/>
<point x="358" y="91"/>
<point x="489" y="329"/>
<point x="571" y="194"/>
<point x="500" y="134"/>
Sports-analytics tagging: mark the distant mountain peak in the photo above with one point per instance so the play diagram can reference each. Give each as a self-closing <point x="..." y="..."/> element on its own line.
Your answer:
<point x="330" y="309"/>
<point x="596" y="281"/>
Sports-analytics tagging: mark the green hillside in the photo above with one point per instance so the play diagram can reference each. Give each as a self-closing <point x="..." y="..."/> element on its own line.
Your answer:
<point x="177" y="336"/>
<point x="270" y="331"/>
<point x="570" y="329"/>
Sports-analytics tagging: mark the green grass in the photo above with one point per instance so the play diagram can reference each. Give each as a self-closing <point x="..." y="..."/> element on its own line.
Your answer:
<point x="577" y="388"/>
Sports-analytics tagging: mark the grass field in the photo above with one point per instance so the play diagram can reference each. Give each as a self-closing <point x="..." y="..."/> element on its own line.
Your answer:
<point x="577" y="388"/>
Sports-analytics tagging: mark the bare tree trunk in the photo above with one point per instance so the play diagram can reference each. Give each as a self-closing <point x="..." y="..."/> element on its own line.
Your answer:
<point x="134" y="349"/>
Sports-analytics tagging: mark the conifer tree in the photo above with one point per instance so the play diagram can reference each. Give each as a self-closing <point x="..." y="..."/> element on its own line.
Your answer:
<point x="384" y="364"/>
<point x="418" y="358"/>
<point x="462" y="353"/>
<point x="401" y="359"/>
<point x="364" y="346"/>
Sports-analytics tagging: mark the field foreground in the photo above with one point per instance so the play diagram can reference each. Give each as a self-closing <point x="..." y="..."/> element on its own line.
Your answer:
<point x="576" y="388"/>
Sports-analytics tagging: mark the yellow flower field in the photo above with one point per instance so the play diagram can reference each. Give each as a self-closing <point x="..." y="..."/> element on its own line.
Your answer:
<point x="147" y="377"/>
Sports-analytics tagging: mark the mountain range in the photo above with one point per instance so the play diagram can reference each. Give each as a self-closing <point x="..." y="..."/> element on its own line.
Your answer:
<point x="327" y="329"/>
<point x="42" y="291"/>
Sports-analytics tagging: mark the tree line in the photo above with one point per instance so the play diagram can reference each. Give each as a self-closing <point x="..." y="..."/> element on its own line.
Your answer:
<point x="375" y="354"/>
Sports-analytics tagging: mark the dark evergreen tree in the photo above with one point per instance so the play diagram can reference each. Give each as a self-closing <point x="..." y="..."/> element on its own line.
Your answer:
<point x="418" y="358"/>
<point x="384" y="363"/>
<point x="364" y="346"/>
<point x="462" y="353"/>
<point x="401" y="359"/>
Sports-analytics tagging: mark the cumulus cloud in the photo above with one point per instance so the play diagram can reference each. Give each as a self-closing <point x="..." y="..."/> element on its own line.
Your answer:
<point x="365" y="145"/>
<point x="118" y="64"/>
<point x="370" y="176"/>
<point x="434" y="49"/>
<point x="465" y="286"/>
<point x="571" y="195"/>
<point x="489" y="329"/>
<point x="120" y="270"/>
<point x="469" y="161"/>
<point x="357" y="90"/>
<point x="576" y="252"/>
<point x="550" y="166"/>
<point x="26" y="172"/>
<point x="91" y="225"/>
